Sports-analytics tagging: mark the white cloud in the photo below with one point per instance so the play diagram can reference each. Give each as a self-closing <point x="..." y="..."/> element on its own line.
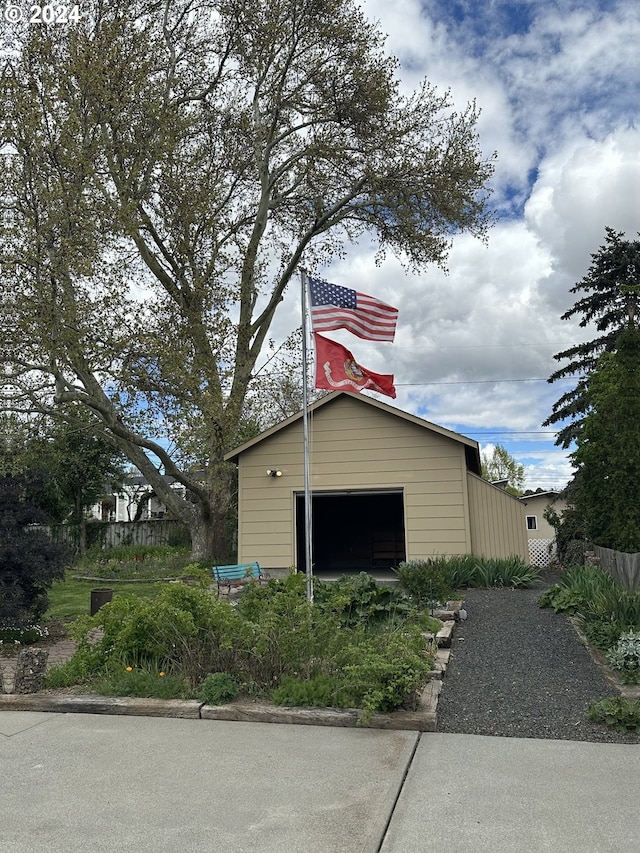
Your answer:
<point x="557" y="86"/>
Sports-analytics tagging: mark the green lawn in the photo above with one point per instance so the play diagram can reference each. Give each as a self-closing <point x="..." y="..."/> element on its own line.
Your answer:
<point x="70" y="598"/>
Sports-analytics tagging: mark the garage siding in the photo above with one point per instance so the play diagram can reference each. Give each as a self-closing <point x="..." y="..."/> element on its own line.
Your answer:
<point x="497" y="519"/>
<point x="354" y="446"/>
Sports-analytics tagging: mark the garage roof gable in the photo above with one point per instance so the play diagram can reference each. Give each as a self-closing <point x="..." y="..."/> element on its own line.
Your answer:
<point x="472" y="451"/>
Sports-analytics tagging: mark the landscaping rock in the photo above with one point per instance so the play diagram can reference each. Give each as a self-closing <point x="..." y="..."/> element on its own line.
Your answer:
<point x="31" y="667"/>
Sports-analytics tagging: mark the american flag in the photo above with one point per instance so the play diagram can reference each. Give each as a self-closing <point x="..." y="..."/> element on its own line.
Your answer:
<point x="335" y="307"/>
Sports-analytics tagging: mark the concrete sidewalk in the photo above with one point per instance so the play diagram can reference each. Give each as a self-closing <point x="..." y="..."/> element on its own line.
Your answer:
<point x="517" y="795"/>
<point x="77" y="782"/>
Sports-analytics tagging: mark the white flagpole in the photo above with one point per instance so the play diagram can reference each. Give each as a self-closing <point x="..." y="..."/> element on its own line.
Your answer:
<point x="305" y="434"/>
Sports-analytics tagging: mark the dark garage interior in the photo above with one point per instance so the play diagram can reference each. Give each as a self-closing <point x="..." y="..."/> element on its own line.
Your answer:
<point x="352" y="531"/>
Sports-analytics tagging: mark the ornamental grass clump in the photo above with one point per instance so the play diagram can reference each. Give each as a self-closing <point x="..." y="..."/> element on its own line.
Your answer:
<point x="604" y="609"/>
<point x="434" y="580"/>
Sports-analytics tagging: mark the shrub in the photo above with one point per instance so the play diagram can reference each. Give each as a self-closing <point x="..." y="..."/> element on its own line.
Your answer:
<point x="616" y="711"/>
<point x="375" y="672"/>
<point x="288" y="634"/>
<point x="218" y="689"/>
<point x="23" y="636"/>
<point x="426" y="581"/>
<point x="183" y="629"/>
<point x="625" y="657"/>
<point x="382" y="672"/>
<point x="273" y="638"/>
<point x="29" y="559"/>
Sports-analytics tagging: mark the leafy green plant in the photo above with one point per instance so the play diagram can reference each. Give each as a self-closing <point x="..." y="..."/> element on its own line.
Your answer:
<point x="218" y="688"/>
<point x="562" y="599"/>
<point x="426" y="581"/>
<point x="625" y="657"/>
<point x="380" y="673"/>
<point x="602" y="633"/>
<point x="357" y="600"/>
<point x="616" y="711"/>
<point x="196" y="573"/>
<point x="87" y="664"/>
<point x="316" y="692"/>
<point x="23" y="636"/>
<point x="577" y="587"/>
<point x="617" y="604"/>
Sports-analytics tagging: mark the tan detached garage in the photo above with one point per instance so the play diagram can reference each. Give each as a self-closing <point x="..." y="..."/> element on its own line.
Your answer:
<point x="386" y="486"/>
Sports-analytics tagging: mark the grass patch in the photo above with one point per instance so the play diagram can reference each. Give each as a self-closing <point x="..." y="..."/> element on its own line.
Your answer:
<point x="140" y="562"/>
<point x="145" y="683"/>
<point x="69" y="599"/>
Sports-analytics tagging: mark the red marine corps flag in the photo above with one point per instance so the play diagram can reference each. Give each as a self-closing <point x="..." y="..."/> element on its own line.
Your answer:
<point x="337" y="370"/>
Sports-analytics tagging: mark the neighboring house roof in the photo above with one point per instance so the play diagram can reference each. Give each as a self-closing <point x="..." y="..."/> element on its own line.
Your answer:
<point x="472" y="449"/>
<point x="551" y="494"/>
<point x="140" y="480"/>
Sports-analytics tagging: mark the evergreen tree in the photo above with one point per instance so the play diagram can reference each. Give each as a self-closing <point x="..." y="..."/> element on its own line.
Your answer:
<point x="608" y="453"/>
<point x="611" y="286"/>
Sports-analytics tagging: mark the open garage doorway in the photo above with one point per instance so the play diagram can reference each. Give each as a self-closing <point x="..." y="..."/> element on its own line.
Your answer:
<point x="353" y="532"/>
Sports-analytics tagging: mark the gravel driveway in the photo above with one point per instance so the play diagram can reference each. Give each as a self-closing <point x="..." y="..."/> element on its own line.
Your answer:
<point x="517" y="670"/>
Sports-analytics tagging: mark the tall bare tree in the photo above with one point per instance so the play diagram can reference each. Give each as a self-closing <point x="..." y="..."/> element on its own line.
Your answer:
<point x="168" y="164"/>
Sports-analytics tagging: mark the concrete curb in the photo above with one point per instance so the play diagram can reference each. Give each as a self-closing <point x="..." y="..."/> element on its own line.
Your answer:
<point x="423" y="719"/>
<point x="89" y="704"/>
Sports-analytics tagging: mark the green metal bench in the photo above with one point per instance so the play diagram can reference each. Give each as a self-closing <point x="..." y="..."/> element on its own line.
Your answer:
<point x="228" y="576"/>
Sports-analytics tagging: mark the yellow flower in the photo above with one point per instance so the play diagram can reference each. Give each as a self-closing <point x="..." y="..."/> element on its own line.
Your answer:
<point x="162" y="674"/>
<point x="129" y="669"/>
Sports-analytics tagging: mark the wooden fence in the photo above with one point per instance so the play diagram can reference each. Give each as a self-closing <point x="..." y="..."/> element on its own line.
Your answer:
<point x="110" y="534"/>
<point x="624" y="567"/>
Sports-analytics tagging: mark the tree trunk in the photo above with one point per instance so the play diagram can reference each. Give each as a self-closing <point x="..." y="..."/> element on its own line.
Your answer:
<point x="211" y="540"/>
<point x="213" y="527"/>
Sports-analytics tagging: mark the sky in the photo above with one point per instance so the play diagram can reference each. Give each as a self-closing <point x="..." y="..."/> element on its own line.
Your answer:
<point x="558" y="86"/>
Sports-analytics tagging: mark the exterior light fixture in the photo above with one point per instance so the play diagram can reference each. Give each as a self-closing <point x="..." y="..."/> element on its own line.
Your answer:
<point x="274" y="472"/>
